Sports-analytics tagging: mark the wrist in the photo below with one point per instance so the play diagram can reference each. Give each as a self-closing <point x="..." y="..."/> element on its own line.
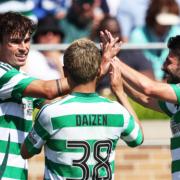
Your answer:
<point x="67" y="85"/>
<point x="63" y="86"/>
<point x="105" y="58"/>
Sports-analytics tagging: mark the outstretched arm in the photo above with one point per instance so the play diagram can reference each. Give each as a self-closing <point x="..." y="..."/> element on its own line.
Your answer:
<point x="142" y="83"/>
<point x="117" y="88"/>
<point x="110" y="47"/>
<point x="141" y="98"/>
<point x="129" y="136"/>
<point x="48" y="89"/>
<point x="147" y="86"/>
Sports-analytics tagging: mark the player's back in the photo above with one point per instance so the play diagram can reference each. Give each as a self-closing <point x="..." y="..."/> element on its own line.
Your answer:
<point x="83" y="133"/>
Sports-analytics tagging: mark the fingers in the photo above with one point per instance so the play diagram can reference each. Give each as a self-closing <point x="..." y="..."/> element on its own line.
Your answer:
<point x="110" y="46"/>
<point x="109" y="36"/>
<point x="101" y="45"/>
<point x="115" y="64"/>
<point x="115" y="61"/>
<point x="117" y="43"/>
<point x="109" y="41"/>
<point x="104" y="37"/>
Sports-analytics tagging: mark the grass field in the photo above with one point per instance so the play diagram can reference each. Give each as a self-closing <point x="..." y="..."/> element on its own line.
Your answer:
<point x="148" y="114"/>
<point x="144" y="113"/>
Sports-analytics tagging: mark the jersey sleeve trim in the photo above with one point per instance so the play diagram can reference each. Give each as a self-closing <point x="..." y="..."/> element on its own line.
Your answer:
<point x="138" y="141"/>
<point x="20" y="87"/>
<point x="164" y="108"/>
<point x="30" y="148"/>
<point x="7" y="76"/>
<point x="176" y="89"/>
<point x="132" y="135"/>
<point x="130" y="127"/>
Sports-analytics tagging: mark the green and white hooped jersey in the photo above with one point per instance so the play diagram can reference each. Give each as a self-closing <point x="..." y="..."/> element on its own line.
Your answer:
<point x="173" y="111"/>
<point x="80" y="134"/>
<point x="15" y="122"/>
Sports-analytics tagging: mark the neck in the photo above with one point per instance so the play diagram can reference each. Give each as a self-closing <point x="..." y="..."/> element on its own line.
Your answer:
<point x="85" y="88"/>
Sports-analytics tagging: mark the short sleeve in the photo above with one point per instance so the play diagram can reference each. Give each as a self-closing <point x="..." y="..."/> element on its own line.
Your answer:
<point x="176" y="88"/>
<point x="13" y="83"/>
<point x="40" y="133"/>
<point x="132" y="133"/>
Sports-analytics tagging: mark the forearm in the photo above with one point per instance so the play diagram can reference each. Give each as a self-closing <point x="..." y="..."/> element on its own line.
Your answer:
<point x="141" y="98"/>
<point x="134" y="94"/>
<point x="123" y="99"/>
<point x="137" y="80"/>
<point x="48" y="89"/>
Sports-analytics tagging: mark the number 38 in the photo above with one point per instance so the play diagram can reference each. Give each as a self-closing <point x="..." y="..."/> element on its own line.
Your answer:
<point x="102" y="162"/>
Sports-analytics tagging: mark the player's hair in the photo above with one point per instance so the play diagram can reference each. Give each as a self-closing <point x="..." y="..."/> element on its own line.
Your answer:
<point x="82" y="60"/>
<point x="15" y="24"/>
<point x="174" y="45"/>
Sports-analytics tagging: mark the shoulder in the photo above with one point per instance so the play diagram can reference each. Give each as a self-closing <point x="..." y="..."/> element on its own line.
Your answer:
<point x="54" y="107"/>
<point x="7" y="71"/>
<point x="176" y="89"/>
<point x="5" y="67"/>
<point x="120" y="109"/>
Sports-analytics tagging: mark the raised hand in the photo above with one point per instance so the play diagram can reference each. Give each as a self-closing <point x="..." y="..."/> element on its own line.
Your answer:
<point x="110" y="47"/>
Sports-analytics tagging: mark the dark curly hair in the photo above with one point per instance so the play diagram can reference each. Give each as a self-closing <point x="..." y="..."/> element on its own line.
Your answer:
<point x="174" y="45"/>
<point x="15" y="24"/>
